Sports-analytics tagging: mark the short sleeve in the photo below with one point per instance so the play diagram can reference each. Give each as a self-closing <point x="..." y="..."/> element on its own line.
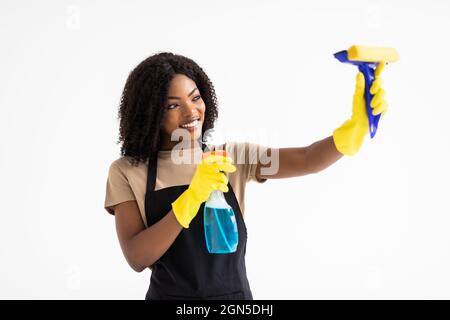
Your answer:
<point x="254" y="152"/>
<point x="246" y="156"/>
<point x="118" y="189"/>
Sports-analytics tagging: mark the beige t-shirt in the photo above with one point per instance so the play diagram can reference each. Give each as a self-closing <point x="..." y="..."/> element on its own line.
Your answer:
<point x="127" y="182"/>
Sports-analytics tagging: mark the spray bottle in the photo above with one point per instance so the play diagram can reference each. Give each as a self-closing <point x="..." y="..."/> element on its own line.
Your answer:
<point x="221" y="232"/>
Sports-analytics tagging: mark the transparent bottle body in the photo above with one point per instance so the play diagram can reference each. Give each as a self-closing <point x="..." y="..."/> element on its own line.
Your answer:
<point x="221" y="232"/>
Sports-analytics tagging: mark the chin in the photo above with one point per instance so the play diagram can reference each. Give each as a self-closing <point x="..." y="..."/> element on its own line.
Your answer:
<point x="196" y="135"/>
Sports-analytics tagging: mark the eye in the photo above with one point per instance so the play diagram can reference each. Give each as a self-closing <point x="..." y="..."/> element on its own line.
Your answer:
<point x="172" y="106"/>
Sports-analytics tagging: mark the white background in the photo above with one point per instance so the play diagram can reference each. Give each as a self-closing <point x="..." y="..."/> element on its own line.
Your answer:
<point x="371" y="226"/>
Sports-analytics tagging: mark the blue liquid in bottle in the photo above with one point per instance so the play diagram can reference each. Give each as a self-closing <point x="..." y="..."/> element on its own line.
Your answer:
<point x="221" y="232"/>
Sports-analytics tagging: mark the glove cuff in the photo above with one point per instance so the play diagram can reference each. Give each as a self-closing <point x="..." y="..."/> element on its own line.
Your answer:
<point x="185" y="207"/>
<point x="349" y="137"/>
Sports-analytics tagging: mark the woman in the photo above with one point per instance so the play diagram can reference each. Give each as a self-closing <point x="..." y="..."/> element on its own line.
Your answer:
<point x="157" y="196"/>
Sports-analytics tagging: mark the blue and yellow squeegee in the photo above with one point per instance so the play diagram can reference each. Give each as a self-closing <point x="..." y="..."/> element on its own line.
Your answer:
<point x="367" y="59"/>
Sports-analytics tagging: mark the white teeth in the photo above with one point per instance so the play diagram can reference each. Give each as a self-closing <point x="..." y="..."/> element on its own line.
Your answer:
<point x="190" y="124"/>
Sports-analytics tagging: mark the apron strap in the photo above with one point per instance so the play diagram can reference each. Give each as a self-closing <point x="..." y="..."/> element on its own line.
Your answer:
<point x="151" y="175"/>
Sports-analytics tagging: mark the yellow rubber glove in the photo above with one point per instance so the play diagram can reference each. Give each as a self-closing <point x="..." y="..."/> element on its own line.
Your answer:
<point x="349" y="137"/>
<point x="207" y="178"/>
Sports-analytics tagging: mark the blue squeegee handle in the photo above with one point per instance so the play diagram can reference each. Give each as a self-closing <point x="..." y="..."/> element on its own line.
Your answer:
<point x="368" y="70"/>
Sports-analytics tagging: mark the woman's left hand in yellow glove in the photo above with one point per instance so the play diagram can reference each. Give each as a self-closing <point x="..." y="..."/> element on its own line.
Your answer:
<point x="349" y="137"/>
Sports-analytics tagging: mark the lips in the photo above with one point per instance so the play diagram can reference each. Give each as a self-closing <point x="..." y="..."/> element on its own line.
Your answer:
<point x="192" y="124"/>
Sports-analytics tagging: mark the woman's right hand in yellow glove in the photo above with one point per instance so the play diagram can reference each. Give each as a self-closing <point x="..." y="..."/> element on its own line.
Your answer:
<point x="207" y="177"/>
<point x="349" y="137"/>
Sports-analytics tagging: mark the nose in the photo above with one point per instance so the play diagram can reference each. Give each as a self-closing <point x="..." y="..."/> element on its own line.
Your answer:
<point x="190" y="110"/>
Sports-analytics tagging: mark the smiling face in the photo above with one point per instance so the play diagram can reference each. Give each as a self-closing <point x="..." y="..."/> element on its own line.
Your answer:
<point x="185" y="111"/>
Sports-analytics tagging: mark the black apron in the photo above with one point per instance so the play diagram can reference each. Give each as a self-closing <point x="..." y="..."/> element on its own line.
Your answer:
<point x="187" y="270"/>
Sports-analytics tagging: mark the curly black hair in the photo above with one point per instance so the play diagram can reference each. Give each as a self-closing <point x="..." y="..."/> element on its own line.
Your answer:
<point x="142" y="103"/>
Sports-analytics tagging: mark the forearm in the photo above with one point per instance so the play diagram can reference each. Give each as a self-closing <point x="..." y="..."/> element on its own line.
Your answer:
<point x="321" y="154"/>
<point x="150" y="244"/>
<point x="295" y="162"/>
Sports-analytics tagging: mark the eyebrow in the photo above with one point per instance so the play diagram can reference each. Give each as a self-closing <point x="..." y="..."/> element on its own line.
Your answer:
<point x="172" y="97"/>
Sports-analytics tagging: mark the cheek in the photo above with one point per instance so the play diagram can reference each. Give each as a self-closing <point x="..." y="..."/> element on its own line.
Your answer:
<point x="202" y="108"/>
<point x="169" y="122"/>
